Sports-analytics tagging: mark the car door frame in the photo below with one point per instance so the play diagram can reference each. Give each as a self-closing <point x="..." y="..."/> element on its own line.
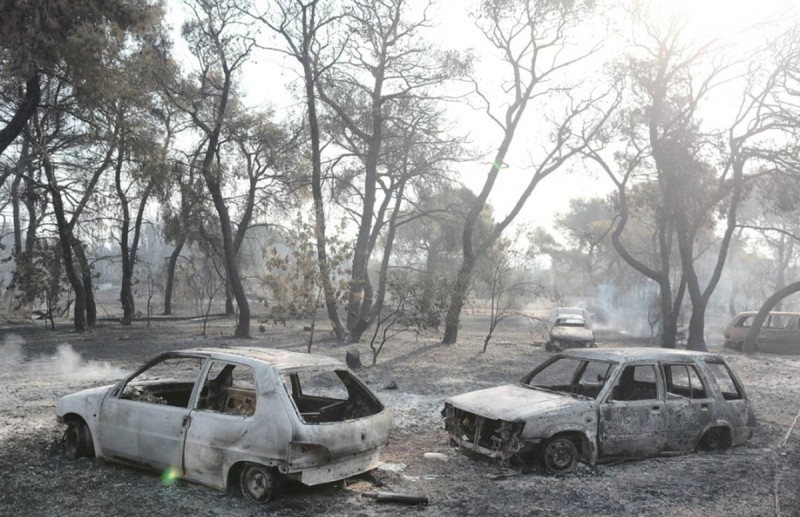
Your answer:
<point x="122" y="423"/>
<point x="213" y="439"/>
<point x="699" y="411"/>
<point x="648" y="413"/>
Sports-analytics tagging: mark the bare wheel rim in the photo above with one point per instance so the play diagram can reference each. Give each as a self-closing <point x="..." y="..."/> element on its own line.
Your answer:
<point x="714" y="439"/>
<point x="73" y="439"/>
<point x="258" y="483"/>
<point x="560" y="455"/>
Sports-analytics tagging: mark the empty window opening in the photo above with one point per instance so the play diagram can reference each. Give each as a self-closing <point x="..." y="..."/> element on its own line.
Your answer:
<point x="683" y="381"/>
<point x="229" y="389"/>
<point x="330" y="396"/>
<point x="636" y="383"/>
<point x="727" y="385"/>
<point x="168" y="382"/>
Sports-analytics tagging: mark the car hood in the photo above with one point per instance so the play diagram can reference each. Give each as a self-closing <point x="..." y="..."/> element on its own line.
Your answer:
<point x="511" y="402"/>
<point x="576" y="333"/>
<point x="84" y="402"/>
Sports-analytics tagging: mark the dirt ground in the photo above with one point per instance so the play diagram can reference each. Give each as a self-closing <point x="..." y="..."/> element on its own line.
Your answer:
<point x="38" y="366"/>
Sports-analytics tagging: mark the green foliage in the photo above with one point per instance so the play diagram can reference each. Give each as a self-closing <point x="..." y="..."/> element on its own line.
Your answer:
<point x="79" y="35"/>
<point x="292" y="275"/>
<point x="39" y="277"/>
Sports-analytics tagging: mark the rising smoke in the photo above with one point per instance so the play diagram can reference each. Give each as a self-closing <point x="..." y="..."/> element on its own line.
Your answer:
<point x="66" y="362"/>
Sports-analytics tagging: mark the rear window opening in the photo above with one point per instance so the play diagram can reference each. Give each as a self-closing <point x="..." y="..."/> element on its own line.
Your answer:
<point x="330" y="396"/>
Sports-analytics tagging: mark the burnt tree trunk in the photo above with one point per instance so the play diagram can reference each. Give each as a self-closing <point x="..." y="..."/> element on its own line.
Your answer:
<point x="214" y="186"/>
<point x="126" y="288"/>
<point x="464" y="279"/>
<point x="129" y="250"/>
<point x="65" y="239"/>
<point x="230" y="310"/>
<point x="359" y="278"/>
<point x="170" y="284"/>
<point x="15" y="197"/>
<point x="319" y="207"/>
<point x="457" y="299"/>
<point x="23" y="113"/>
<point x="376" y="307"/>
<point x="88" y="282"/>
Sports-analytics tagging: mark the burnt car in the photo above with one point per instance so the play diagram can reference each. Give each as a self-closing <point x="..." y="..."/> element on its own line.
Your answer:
<point x="779" y="334"/>
<point x="596" y="404"/>
<point x="570" y="331"/>
<point x="240" y="417"/>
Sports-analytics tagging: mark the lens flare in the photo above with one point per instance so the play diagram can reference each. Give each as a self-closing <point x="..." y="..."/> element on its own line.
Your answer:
<point x="170" y="476"/>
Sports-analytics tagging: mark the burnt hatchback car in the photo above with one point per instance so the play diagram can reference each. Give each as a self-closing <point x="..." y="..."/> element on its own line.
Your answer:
<point x="245" y="417"/>
<point x="605" y="403"/>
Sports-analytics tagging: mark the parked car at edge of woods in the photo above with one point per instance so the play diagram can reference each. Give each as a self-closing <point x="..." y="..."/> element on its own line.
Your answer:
<point x="596" y="404"/>
<point x="233" y="417"/>
<point x="569" y="327"/>
<point x="779" y="334"/>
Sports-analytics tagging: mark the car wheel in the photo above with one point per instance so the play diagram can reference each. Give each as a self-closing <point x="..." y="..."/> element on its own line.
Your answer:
<point x="715" y="439"/>
<point x="78" y="440"/>
<point x="259" y="483"/>
<point x="560" y="455"/>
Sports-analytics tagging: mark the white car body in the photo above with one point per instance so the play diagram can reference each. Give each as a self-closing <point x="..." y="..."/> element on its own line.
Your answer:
<point x="270" y="425"/>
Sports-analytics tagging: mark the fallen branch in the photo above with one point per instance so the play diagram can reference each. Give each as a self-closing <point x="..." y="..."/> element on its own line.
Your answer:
<point x="789" y="432"/>
<point x="390" y="497"/>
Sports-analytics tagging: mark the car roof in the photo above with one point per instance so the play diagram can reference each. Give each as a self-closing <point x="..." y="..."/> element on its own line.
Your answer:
<point x="771" y="313"/>
<point x="630" y="354"/>
<point x="567" y="310"/>
<point x="281" y="360"/>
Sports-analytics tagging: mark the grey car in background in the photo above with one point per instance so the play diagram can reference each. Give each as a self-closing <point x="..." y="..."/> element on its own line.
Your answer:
<point x="243" y="417"/>
<point x="569" y="327"/>
<point x="605" y="403"/>
<point x="779" y="334"/>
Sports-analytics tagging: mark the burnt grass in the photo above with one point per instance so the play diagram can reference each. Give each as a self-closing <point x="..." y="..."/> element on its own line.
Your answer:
<point x="36" y="478"/>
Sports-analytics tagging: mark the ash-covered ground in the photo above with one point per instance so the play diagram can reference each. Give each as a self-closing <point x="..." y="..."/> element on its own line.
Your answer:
<point x="38" y="366"/>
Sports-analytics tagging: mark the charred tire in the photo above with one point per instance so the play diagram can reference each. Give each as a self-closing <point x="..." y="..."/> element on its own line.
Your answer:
<point x="715" y="439"/>
<point x="259" y="483"/>
<point x="78" y="440"/>
<point x="560" y="455"/>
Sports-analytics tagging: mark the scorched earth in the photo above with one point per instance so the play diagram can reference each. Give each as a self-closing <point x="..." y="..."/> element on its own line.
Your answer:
<point x="37" y="366"/>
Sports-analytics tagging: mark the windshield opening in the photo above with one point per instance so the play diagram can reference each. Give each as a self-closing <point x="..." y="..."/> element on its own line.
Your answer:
<point x="582" y="377"/>
<point x="570" y="322"/>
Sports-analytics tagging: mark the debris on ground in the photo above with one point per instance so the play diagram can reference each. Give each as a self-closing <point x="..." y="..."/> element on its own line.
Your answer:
<point x="391" y="497"/>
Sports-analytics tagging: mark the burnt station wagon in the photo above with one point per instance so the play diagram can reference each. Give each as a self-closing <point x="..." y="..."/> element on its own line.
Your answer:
<point x="246" y="417"/>
<point x="599" y="403"/>
<point x="779" y="334"/>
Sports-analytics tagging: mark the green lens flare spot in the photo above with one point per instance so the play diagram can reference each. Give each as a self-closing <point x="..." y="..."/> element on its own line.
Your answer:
<point x="170" y="476"/>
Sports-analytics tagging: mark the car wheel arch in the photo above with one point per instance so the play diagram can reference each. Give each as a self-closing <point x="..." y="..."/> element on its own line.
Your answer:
<point x="587" y="449"/>
<point x="234" y="469"/>
<point x="72" y="419"/>
<point x="719" y="424"/>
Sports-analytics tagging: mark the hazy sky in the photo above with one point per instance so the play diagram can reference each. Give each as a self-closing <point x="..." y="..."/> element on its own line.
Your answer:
<point x="265" y="79"/>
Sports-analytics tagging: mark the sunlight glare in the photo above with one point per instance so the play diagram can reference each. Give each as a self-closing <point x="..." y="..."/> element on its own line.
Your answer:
<point x="724" y="19"/>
